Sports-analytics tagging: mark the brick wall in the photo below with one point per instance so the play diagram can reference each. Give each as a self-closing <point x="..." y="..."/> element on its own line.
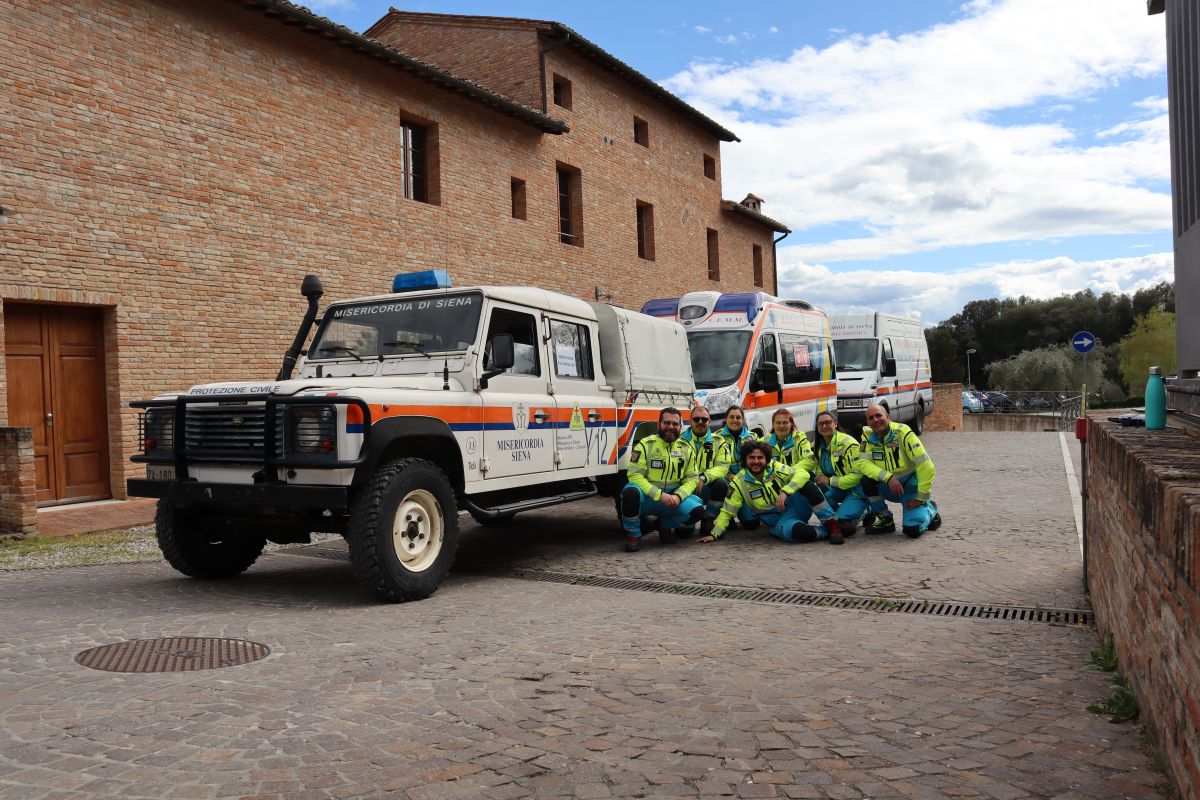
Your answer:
<point x="947" y="408"/>
<point x="1142" y="518"/>
<point x="18" y="494"/>
<point x="190" y="162"/>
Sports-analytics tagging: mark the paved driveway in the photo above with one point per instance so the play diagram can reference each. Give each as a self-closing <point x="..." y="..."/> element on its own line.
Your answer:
<point x="503" y="687"/>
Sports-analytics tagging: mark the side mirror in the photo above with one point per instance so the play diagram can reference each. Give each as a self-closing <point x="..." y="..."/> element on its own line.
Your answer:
<point x="889" y="368"/>
<point x="501" y="358"/>
<point x="767" y="378"/>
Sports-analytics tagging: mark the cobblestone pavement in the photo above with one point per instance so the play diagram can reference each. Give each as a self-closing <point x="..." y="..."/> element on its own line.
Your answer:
<point x="497" y="687"/>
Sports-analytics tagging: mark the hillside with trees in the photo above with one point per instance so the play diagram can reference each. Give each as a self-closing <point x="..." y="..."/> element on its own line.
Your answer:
<point x="1000" y="331"/>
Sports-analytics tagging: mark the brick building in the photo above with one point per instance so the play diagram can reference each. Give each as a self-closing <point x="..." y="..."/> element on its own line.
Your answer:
<point x="169" y="172"/>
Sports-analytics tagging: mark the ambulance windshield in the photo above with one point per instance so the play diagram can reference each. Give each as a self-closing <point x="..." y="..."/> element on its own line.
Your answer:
<point x="855" y="355"/>
<point x="717" y="357"/>
<point x="396" y="327"/>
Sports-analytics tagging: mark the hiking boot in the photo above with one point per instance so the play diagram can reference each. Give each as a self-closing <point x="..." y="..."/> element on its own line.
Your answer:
<point x="848" y="527"/>
<point x="666" y="536"/>
<point x="648" y="525"/>
<point x="837" y="538"/>
<point x="913" y="531"/>
<point x="633" y="544"/>
<point x="882" y="524"/>
<point x="834" y="529"/>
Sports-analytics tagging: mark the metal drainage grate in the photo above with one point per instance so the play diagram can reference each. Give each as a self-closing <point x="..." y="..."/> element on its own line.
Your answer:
<point x="887" y="605"/>
<point x="171" y="655"/>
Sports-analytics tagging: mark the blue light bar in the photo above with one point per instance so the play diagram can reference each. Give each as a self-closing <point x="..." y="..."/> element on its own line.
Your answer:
<point x="663" y="307"/>
<point x="425" y="279"/>
<point x="747" y="302"/>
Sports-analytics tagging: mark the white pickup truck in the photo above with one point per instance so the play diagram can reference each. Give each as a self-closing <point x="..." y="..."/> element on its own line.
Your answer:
<point x="406" y="408"/>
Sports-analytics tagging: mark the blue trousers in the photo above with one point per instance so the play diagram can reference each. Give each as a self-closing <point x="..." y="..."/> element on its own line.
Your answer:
<point x="850" y="504"/>
<point x="918" y="517"/>
<point x="678" y="517"/>
<point x="797" y="509"/>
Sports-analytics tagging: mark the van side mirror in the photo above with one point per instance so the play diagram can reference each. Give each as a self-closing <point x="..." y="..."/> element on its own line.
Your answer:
<point x="501" y="357"/>
<point x="889" y="368"/>
<point x="767" y="378"/>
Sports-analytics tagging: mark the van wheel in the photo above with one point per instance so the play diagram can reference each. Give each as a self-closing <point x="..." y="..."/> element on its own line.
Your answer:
<point x="918" y="425"/>
<point x="404" y="530"/>
<point x="204" y="547"/>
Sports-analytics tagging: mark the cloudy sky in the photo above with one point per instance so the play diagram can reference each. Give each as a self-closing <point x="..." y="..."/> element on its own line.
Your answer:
<point x="924" y="153"/>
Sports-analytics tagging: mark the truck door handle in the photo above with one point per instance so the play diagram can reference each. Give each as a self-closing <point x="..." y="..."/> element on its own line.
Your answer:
<point x="541" y="416"/>
<point x="593" y="416"/>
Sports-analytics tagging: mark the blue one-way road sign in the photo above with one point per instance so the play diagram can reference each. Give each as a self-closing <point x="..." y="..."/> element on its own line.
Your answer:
<point x="1083" y="341"/>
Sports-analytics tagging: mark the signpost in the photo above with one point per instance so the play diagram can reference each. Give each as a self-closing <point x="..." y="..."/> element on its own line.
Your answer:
<point x="1083" y="342"/>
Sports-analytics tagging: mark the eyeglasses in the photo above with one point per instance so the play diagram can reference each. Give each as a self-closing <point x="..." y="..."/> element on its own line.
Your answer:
<point x="701" y="419"/>
<point x="824" y="422"/>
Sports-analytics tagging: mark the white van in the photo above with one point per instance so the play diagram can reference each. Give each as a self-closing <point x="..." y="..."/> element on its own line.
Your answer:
<point x="881" y="359"/>
<point x="758" y="351"/>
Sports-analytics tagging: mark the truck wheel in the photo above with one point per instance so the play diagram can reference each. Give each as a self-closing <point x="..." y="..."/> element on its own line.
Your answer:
<point x="918" y="425"/>
<point x="404" y="530"/>
<point x="503" y="519"/>
<point x="203" y="547"/>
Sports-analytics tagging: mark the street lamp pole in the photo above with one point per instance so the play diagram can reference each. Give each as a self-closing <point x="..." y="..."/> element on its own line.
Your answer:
<point x="969" y="351"/>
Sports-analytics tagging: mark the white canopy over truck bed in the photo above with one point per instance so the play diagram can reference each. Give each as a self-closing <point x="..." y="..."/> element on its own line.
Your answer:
<point x="644" y="354"/>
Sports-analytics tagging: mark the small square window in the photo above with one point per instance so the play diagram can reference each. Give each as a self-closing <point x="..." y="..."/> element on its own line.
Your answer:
<point x="641" y="131"/>
<point x="518" y="198"/>
<point x="562" y="92"/>
<point x="710" y="168"/>
<point x="714" y="256"/>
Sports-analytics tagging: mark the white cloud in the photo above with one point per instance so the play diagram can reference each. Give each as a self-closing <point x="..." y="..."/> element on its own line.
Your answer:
<point x="773" y="29"/>
<point x="702" y="29"/>
<point x="934" y="296"/>
<point x="728" y="38"/>
<point x="325" y="6"/>
<point x="969" y="132"/>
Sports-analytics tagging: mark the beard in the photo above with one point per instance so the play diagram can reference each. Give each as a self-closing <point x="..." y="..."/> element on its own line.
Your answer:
<point x="668" y="435"/>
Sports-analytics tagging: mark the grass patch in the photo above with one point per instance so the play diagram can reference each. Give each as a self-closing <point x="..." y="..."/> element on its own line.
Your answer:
<point x="1121" y="705"/>
<point x="34" y="552"/>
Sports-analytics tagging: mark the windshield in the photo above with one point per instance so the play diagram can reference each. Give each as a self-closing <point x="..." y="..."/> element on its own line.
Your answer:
<point x="717" y="356"/>
<point x="425" y="325"/>
<point x="855" y="355"/>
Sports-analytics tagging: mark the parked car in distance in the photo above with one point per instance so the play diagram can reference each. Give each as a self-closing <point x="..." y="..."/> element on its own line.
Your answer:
<point x="1037" y="402"/>
<point x="1000" y="401"/>
<point x="971" y="403"/>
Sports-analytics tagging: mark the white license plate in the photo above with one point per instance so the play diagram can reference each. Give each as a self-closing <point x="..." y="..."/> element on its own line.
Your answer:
<point x="160" y="472"/>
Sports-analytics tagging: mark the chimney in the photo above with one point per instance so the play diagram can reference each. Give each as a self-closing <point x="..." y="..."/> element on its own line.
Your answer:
<point x="753" y="202"/>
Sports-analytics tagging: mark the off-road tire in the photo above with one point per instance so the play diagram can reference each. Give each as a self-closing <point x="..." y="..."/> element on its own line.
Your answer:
<point x="421" y="490"/>
<point x="918" y="426"/>
<point x="204" y="547"/>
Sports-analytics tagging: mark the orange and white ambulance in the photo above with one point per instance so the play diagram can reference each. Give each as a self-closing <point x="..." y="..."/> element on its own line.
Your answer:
<point x="758" y="351"/>
<point x="882" y="359"/>
<point x="407" y="407"/>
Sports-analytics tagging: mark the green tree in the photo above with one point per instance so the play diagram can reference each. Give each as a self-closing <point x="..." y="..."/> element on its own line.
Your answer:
<point x="1053" y="369"/>
<point x="1150" y="343"/>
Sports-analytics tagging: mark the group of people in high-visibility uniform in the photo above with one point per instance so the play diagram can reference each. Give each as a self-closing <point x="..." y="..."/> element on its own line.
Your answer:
<point x="680" y="479"/>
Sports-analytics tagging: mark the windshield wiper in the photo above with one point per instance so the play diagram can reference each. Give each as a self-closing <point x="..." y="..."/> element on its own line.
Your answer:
<point x="416" y="347"/>
<point x="340" y="348"/>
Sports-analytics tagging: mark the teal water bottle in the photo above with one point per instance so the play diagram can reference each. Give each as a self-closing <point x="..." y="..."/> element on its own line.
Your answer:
<point x="1156" y="401"/>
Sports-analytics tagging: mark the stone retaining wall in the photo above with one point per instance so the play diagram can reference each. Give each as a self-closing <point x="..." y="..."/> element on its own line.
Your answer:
<point x="18" y="490"/>
<point x="1142" y="526"/>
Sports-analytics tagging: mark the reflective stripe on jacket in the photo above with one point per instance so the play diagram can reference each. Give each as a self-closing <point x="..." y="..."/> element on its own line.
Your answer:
<point x="897" y="455"/>
<point x="657" y="467"/>
<point x="706" y="451"/>
<point x="791" y="451"/>
<point x="837" y="460"/>
<point x="759" y="494"/>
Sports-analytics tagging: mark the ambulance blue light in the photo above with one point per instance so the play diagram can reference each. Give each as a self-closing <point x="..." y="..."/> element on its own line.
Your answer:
<point x="425" y="279"/>
<point x="748" y="303"/>
<point x="663" y="307"/>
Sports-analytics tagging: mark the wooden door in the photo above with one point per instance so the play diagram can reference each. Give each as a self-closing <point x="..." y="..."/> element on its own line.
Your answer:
<point x="54" y="357"/>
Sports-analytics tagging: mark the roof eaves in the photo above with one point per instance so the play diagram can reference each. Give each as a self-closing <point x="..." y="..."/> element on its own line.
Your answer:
<point x="345" y="37"/>
<point x="761" y="219"/>
<point x="629" y="73"/>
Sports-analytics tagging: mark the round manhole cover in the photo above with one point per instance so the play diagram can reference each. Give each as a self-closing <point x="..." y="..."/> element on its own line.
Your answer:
<point x="172" y="655"/>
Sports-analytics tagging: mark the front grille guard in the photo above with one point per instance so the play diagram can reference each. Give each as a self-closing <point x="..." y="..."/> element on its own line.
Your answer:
<point x="273" y="455"/>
